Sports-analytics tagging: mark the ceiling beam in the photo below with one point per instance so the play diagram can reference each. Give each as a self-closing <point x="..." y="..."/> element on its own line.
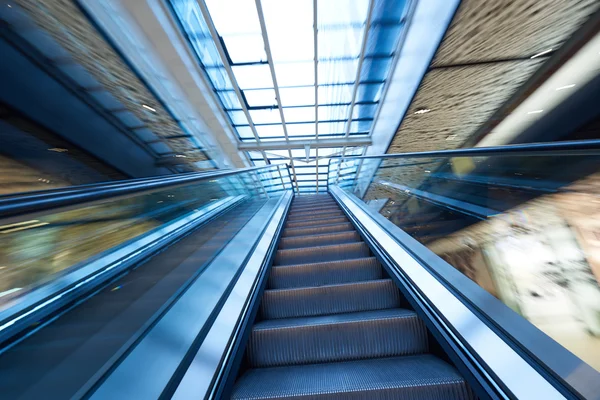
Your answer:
<point x="263" y="28"/>
<point x="217" y="41"/>
<point x="300" y="144"/>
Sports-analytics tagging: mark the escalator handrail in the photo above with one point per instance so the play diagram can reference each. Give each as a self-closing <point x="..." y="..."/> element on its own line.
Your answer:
<point x="568" y="374"/>
<point x="575" y="147"/>
<point x="63" y="197"/>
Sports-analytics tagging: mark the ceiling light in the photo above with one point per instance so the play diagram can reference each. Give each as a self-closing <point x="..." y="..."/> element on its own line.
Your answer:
<point x="180" y="156"/>
<point x="535" y="112"/>
<point x="422" y="111"/>
<point x="451" y="137"/>
<point x="58" y="150"/>
<point x="541" y="54"/>
<point x="427" y="171"/>
<point x="565" y="87"/>
<point x="149" y="108"/>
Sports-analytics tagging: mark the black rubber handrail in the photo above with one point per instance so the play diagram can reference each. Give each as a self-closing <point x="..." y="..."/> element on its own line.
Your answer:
<point x="577" y="147"/>
<point x="12" y="206"/>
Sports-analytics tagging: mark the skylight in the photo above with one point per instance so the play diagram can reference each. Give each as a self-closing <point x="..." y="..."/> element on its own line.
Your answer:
<point x="328" y="74"/>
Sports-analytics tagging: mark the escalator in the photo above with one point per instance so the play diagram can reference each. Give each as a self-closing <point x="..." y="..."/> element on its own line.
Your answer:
<point x="332" y="325"/>
<point x="227" y="289"/>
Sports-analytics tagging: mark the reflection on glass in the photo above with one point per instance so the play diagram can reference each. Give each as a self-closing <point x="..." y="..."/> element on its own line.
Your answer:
<point x="526" y="229"/>
<point x="34" y="250"/>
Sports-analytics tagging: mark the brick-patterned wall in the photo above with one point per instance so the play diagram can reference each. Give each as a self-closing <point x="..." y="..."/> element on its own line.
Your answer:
<point x="462" y="97"/>
<point x="65" y="22"/>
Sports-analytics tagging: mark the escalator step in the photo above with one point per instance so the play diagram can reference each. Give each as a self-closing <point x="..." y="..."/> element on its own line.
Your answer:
<point x="341" y="337"/>
<point x="334" y="252"/>
<point x="330" y="228"/>
<point x="314" y="215"/>
<point x="422" y="377"/>
<point x="328" y="202"/>
<point x="325" y="273"/>
<point x="330" y="299"/>
<point x="319" y="240"/>
<point x="306" y="210"/>
<point x="316" y="222"/>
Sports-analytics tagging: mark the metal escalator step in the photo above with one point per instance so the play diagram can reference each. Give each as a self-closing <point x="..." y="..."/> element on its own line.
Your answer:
<point x="330" y="299"/>
<point x="422" y="377"/>
<point x="316" y="222"/>
<point x="333" y="252"/>
<point x="311" y="207"/>
<point x="341" y="337"/>
<point x="310" y="213"/>
<point x="313" y="203"/>
<point x="324" y="239"/>
<point x="316" y="216"/>
<point x="309" y="230"/>
<point x="325" y="273"/>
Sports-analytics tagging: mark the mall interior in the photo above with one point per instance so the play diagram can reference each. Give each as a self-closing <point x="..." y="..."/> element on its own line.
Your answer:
<point x="300" y="199"/>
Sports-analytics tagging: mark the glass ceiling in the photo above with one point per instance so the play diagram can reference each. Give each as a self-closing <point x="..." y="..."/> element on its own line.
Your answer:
<point x="329" y="77"/>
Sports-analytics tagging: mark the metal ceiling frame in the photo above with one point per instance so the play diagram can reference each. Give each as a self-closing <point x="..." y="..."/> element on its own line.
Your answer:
<point x="361" y="58"/>
<point x="265" y="36"/>
<point x="216" y="39"/>
<point x="262" y="145"/>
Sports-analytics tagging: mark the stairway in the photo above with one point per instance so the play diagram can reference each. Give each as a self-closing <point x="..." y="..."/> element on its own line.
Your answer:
<point x="331" y="325"/>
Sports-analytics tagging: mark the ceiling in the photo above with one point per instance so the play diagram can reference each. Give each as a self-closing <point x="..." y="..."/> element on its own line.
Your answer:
<point x="300" y="81"/>
<point x="81" y="57"/>
<point x="488" y="53"/>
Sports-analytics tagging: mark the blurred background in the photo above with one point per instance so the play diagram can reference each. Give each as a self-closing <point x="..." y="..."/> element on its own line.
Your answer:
<point x="107" y="90"/>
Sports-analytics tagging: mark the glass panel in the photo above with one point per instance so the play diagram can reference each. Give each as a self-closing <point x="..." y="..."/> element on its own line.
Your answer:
<point x="338" y="43"/>
<point x="238" y="117"/>
<point x="219" y="78"/>
<point x="299" y="114"/>
<point x="364" y="111"/>
<point x="260" y="98"/>
<point x="341" y="71"/>
<point x="328" y="113"/>
<point x="342" y="12"/>
<point x="33" y="252"/>
<point x="299" y="96"/>
<point x="269" y="116"/>
<point x="361" y="126"/>
<point x="245" y="132"/>
<point x="307" y="129"/>
<point x="335" y="94"/>
<point x="524" y="228"/>
<point x="246" y="48"/>
<point x="269" y="130"/>
<point x="369" y="93"/>
<point x="229" y="99"/>
<point x="290" y="29"/>
<point x="243" y="21"/>
<point x="375" y="69"/>
<point x="295" y="74"/>
<point x="253" y="76"/>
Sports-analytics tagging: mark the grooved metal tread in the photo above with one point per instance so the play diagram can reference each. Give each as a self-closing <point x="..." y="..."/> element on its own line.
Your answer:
<point x="319" y="240"/>
<point x="312" y="210"/>
<point x="327" y="228"/>
<point x="330" y="299"/>
<point x="332" y="252"/>
<point x="422" y="377"/>
<point x="339" y="337"/>
<point x="316" y="215"/>
<point x="323" y="203"/>
<point x="316" y="222"/>
<point x="324" y="273"/>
